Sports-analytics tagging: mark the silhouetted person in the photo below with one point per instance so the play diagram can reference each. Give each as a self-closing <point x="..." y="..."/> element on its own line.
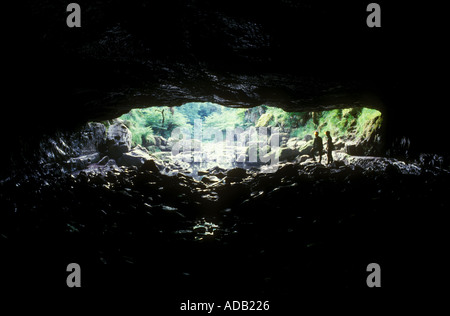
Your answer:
<point x="317" y="147"/>
<point x="330" y="147"/>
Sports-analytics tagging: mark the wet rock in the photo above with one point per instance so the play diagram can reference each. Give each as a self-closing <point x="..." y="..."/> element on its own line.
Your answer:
<point x="303" y="158"/>
<point x="103" y="161"/>
<point x="254" y="169"/>
<point x="118" y="140"/>
<point x="203" y="229"/>
<point x="237" y="173"/>
<point x="337" y="164"/>
<point x="111" y="162"/>
<point x="316" y="170"/>
<point x="404" y="168"/>
<point x="83" y="161"/>
<point x="168" y="212"/>
<point x="220" y="175"/>
<point x="88" y="139"/>
<point x="289" y="169"/>
<point x="136" y="157"/>
<point x="378" y="164"/>
<point x="150" y="165"/>
<point x="216" y="170"/>
<point x="307" y="138"/>
<point x="210" y="179"/>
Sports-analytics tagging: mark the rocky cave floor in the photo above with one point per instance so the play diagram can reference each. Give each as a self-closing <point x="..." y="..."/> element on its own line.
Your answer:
<point x="305" y="226"/>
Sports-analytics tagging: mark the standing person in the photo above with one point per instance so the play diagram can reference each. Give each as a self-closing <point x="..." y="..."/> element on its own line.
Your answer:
<point x="317" y="146"/>
<point x="330" y="147"/>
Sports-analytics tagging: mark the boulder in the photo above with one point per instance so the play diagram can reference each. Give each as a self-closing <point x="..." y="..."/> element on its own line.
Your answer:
<point x="264" y="120"/>
<point x="82" y="162"/>
<point x="292" y="142"/>
<point x="237" y="173"/>
<point x="136" y="157"/>
<point x="210" y="179"/>
<point x="150" y="165"/>
<point x="289" y="169"/>
<point x="215" y="170"/>
<point x="118" y="140"/>
<point x="306" y="148"/>
<point x="353" y="149"/>
<point x="303" y="158"/>
<point x="160" y="141"/>
<point x="307" y="138"/>
<point x="288" y="154"/>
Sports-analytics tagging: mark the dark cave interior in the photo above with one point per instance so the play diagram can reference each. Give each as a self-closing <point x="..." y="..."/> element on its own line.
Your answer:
<point x="305" y="226"/>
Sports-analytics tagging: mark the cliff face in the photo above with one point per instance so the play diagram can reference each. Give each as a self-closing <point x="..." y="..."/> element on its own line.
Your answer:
<point x="298" y="55"/>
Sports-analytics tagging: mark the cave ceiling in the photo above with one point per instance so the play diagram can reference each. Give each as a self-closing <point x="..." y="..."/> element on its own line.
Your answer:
<point x="297" y="55"/>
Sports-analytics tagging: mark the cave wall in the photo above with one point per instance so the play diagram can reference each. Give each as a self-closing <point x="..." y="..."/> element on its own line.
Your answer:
<point x="298" y="55"/>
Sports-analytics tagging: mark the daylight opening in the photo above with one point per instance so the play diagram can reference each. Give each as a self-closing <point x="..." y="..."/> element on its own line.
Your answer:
<point x="197" y="137"/>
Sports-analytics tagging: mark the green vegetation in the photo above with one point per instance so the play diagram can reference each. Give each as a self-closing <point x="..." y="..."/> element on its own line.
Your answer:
<point x="226" y="118"/>
<point x="198" y="110"/>
<point x="340" y="122"/>
<point x="149" y="122"/>
<point x="145" y="123"/>
<point x="367" y="121"/>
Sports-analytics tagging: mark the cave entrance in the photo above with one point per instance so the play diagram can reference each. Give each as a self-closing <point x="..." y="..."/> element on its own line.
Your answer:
<point x="198" y="137"/>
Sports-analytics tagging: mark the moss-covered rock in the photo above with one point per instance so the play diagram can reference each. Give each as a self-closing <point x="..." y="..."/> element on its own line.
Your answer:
<point x="351" y="113"/>
<point x="264" y="120"/>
